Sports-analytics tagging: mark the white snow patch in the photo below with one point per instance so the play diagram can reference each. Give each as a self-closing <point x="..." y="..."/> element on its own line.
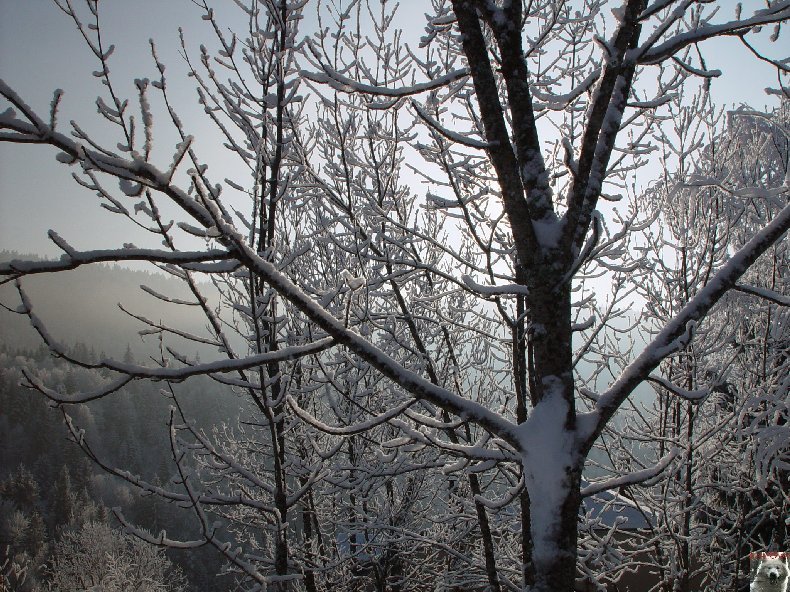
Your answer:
<point x="548" y="455"/>
<point x="355" y="283"/>
<point x="507" y="289"/>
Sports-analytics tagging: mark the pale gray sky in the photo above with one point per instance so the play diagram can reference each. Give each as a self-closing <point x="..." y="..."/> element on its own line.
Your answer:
<point x="40" y="50"/>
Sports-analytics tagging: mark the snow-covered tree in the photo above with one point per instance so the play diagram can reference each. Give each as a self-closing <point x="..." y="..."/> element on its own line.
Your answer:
<point x="437" y="364"/>
<point x="97" y="557"/>
<point x="14" y="569"/>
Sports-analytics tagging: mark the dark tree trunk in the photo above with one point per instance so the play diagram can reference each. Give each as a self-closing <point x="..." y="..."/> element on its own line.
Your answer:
<point x="554" y="508"/>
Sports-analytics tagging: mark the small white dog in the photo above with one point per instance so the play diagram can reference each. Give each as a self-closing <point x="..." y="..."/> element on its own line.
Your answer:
<point x="772" y="574"/>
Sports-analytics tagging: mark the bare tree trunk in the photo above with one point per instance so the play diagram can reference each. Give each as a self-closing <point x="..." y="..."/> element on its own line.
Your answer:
<point x="308" y="551"/>
<point x="485" y="534"/>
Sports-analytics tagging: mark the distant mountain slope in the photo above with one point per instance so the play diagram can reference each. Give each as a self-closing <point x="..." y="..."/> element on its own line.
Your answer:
<point x="82" y="306"/>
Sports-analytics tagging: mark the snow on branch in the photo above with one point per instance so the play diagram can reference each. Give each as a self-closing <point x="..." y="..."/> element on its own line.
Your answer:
<point x="449" y="134"/>
<point x="475" y="451"/>
<point x="506" y="499"/>
<point x="561" y="102"/>
<point x="26" y="308"/>
<point x="764" y="293"/>
<point x="348" y="430"/>
<point x="220" y="366"/>
<point x="703" y="73"/>
<point x="773" y="195"/>
<point x="9" y="115"/>
<point x="585" y="252"/>
<point x="132" y="371"/>
<point x="75" y="259"/>
<point x="696" y="396"/>
<point x="634" y="478"/>
<point x="160" y="540"/>
<point x="655" y="7"/>
<point x="342" y="83"/>
<point x="60" y="398"/>
<point x="168" y="299"/>
<point x="780" y="11"/>
<point x="588" y="323"/>
<point x="505" y="290"/>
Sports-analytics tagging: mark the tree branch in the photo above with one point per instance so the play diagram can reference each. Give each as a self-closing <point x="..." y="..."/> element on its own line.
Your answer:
<point x="592" y="423"/>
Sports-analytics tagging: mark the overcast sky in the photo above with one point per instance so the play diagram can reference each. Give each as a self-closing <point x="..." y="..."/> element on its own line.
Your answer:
<point x="40" y="50"/>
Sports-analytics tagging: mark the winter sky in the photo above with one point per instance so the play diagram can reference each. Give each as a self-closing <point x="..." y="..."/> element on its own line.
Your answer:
<point x="41" y="50"/>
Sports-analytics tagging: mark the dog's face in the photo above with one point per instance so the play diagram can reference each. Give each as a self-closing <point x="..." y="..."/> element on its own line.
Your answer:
<point x="773" y="570"/>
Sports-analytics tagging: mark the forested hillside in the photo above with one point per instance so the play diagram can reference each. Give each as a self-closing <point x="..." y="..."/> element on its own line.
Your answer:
<point x="54" y="499"/>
